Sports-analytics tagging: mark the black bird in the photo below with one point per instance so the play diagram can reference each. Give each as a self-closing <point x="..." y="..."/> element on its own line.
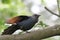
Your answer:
<point x="21" y="22"/>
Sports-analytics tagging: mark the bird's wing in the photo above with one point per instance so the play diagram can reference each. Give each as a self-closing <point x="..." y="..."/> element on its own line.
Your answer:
<point x="17" y="19"/>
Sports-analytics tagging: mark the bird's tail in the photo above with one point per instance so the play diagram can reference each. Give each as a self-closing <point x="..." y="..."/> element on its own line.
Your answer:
<point x="10" y="30"/>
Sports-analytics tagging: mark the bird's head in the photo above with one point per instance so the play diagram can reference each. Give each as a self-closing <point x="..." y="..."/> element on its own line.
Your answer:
<point x="36" y="15"/>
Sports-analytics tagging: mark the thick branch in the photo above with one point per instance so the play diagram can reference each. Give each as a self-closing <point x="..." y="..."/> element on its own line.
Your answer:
<point x="35" y="35"/>
<point x="52" y="12"/>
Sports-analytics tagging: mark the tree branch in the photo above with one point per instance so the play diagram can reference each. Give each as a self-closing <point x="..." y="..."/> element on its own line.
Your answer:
<point x="35" y="35"/>
<point x="52" y="12"/>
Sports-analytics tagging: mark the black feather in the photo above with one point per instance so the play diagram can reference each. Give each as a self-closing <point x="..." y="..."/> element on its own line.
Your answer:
<point x="10" y="30"/>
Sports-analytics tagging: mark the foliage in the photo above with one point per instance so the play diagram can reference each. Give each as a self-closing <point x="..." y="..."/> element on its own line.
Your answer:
<point x="6" y="1"/>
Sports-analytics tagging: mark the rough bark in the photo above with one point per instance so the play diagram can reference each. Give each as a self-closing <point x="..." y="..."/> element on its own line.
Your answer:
<point x="34" y="35"/>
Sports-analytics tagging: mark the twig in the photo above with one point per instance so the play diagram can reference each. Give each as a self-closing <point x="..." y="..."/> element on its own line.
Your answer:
<point x="58" y="7"/>
<point x="52" y="12"/>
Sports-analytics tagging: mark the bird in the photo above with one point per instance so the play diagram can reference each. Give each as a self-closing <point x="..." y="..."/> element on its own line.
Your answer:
<point x="24" y="23"/>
